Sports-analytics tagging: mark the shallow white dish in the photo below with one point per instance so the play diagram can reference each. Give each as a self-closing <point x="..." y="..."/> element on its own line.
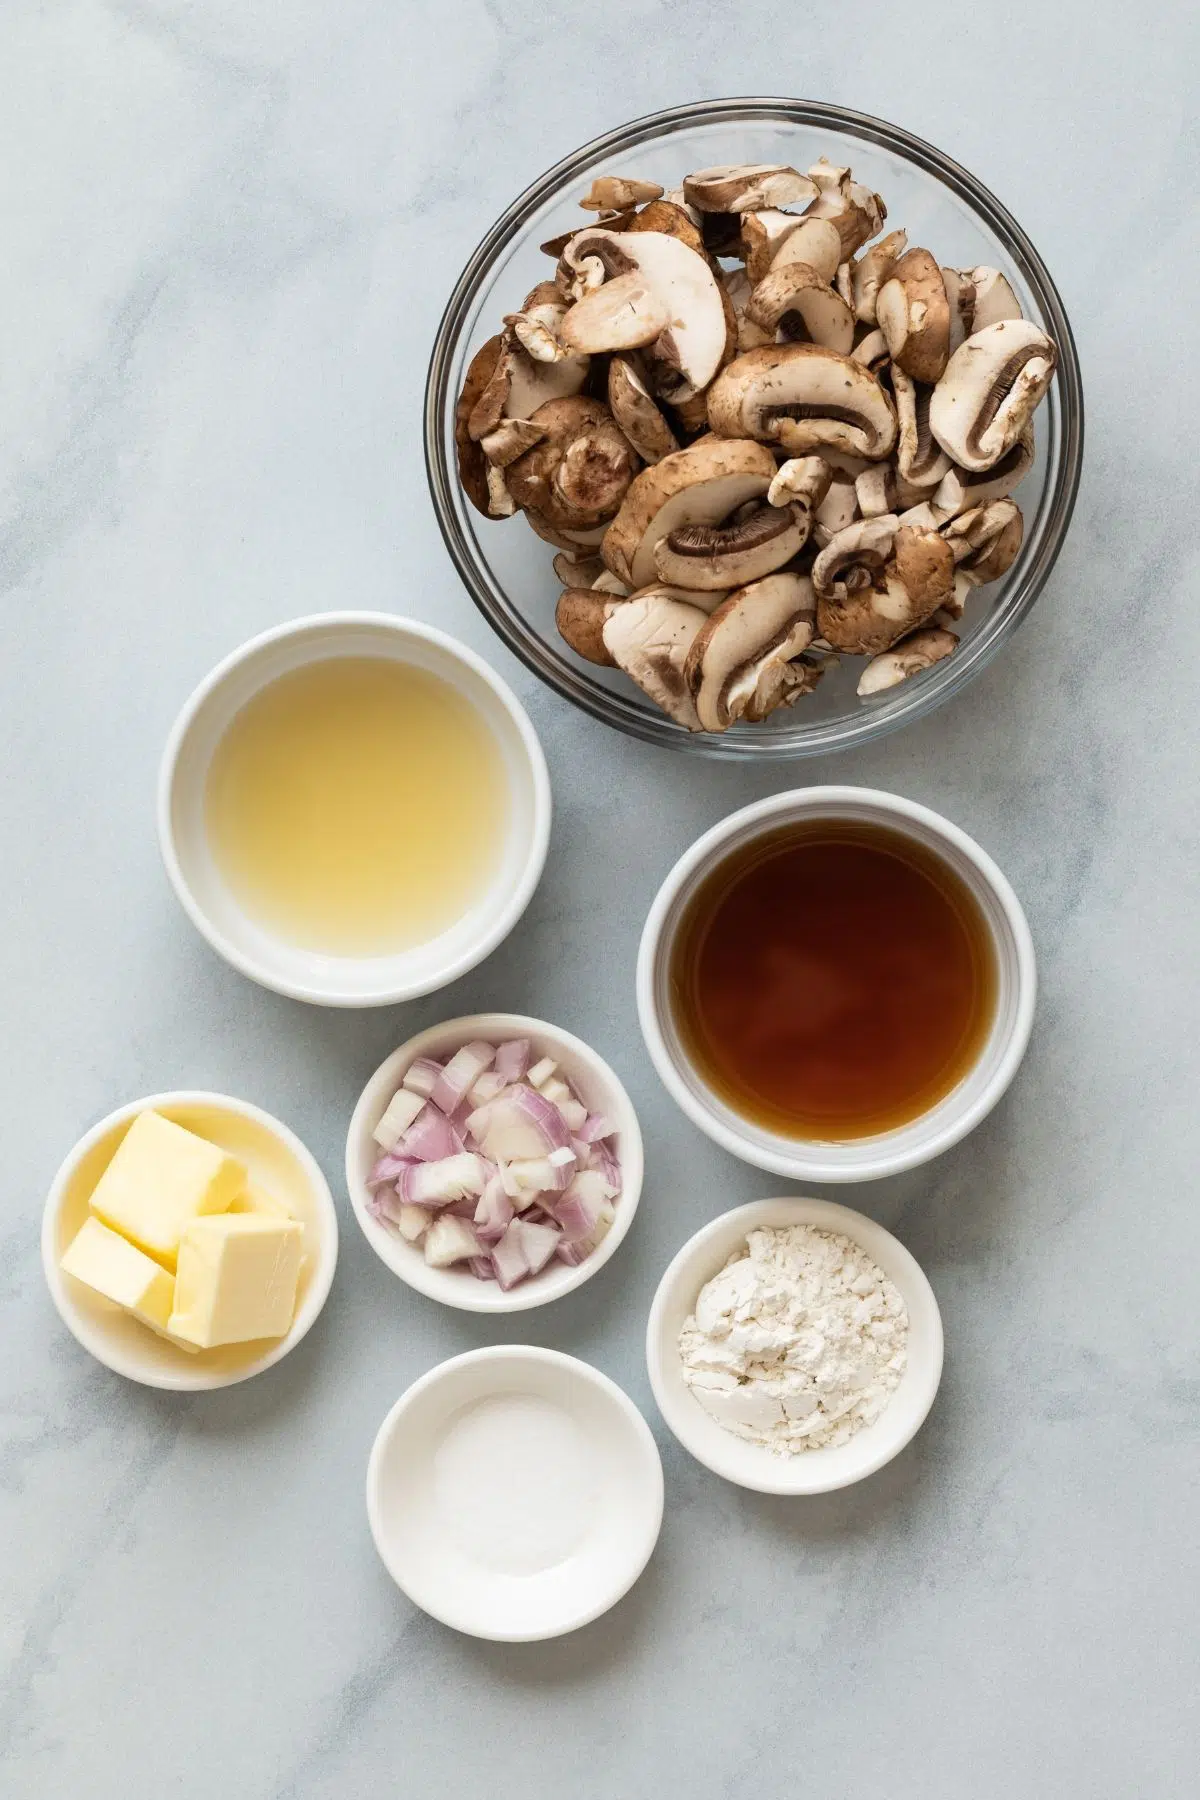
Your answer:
<point x="886" y="1153"/>
<point x="810" y="1471"/>
<point x="276" y="1160"/>
<point x="597" y="1085"/>
<point x="514" y="1493"/>
<point x="243" y="941"/>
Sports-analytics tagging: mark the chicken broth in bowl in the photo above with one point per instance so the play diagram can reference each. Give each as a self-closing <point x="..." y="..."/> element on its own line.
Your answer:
<point x="832" y="980"/>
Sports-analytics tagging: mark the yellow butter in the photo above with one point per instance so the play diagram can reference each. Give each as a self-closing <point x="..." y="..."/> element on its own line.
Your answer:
<point x="258" y="1200"/>
<point x="161" y="1178"/>
<point x="236" y="1279"/>
<point x="106" y="1262"/>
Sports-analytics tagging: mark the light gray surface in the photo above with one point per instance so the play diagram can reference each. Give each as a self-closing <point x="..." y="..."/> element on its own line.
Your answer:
<point x="228" y="229"/>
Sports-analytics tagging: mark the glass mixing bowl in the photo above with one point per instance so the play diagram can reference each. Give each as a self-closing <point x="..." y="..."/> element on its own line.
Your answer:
<point x="508" y="570"/>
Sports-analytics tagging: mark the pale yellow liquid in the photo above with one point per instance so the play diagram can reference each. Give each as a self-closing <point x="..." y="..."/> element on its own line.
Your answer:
<point x="357" y="806"/>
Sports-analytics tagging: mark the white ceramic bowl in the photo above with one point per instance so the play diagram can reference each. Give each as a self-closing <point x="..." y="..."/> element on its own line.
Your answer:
<point x="596" y="1085"/>
<point x="514" y="1493"/>
<point x="886" y="1153"/>
<point x="810" y="1471"/>
<point x="243" y="941"/>
<point x="275" y="1158"/>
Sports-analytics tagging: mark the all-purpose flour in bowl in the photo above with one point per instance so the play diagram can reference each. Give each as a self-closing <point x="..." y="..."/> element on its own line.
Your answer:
<point x="798" y="1343"/>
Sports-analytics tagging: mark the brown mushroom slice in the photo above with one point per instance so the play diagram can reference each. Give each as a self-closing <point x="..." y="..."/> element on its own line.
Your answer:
<point x="794" y="299"/>
<point x="857" y="213"/>
<point x="876" y="491"/>
<point x="580" y="471"/>
<point x="803" y="482"/>
<point x="519" y="385"/>
<point x="674" y="221"/>
<point x="765" y="623"/>
<point x="577" y="571"/>
<point x="636" y="411"/>
<point x="985" y="542"/>
<point x="959" y="489"/>
<point x="877" y="581"/>
<point x="782" y="684"/>
<point x="738" y="290"/>
<point x="673" y="278"/>
<point x="709" y="556"/>
<point x="910" y="657"/>
<point x="815" y="242"/>
<point x="989" y="392"/>
<point x="472" y="464"/>
<point x="760" y="238"/>
<point x="914" y="316"/>
<point x="581" y="615"/>
<point x="702" y="485"/>
<point x="691" y="415"/>
<point x="511" y="438"/>
<point x="574" y="540"/>
<point x="803" y="397"/>
<point x="993" y="299"/>
<point x="838" y="509"/>
<point x="649" y="636"/>
<point x="919" y="457"/>
<point x="872" y="269"/>
<point x="921" y="517"/>
<point x="616" y="193"/>
<point x="872" y="352"/>
<point x="619" y="221"/>
<point x="501" y="504"/>
<point x="747" y="187"/>
<point x="607" y="583"/>
<point x="960" y="299"/>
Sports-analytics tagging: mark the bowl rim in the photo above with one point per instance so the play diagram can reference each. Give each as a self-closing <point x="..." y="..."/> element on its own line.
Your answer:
<point x="500" y="922"/>
<point x="580" y="1370"/>
<point x="901" y="705"/>
<point x="190" y="1379"/>
<point x="786" y="1475"/>
<point x="807" y="1163"/>
<point x="440" y="1284"/>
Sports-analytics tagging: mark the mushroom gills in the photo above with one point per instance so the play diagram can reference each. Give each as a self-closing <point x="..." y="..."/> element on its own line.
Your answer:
<point x="989" y="391"/>
<point x="761" y="626"/>
<point x="707" y="556"/>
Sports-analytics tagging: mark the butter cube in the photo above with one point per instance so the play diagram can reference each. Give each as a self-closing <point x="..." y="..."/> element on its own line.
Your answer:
<point x="258" y="1200"/>
<point x="106" y="1262"/>
<point x="237" y="1279"/>
<point x="161" y="1178"/>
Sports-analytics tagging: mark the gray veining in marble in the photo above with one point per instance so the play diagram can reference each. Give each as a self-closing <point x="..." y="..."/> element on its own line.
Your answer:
<point x="211" y="361"/>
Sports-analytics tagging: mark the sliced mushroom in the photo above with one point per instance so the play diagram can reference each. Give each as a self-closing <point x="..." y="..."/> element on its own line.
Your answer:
<point x="794" y="300"/>
<point x="708" y="556"/>
<point x="747" y="187"/>
<point x="816" y="242"/>
<point x="581" y="615"/>
<point x="959" y="489"/>
<point x="607" y="583"/>
<point x="920" y="458"/>
<point x="992" y="299"/>
<point x="677" y="197"/>
<point x="803" y="481"/>
<point x="690" y="415"/>
<point x="838" y="509"/>
<point x="578" y="571"/>
<point x="872" y="269"/>
<point x="658" y="278"/>
<point x="749" y="335"/>
<point x="760" y="238"/>
<point x="876" y="491"/>
<point x="472" y="465"/>
<point x="611" y="221"/>
<point x="616" y="193"/>
<point x="915" y="654"/>
<point x="519" y="385"/>
<point x="511" y="438"/>
<point x="764" y="624"/>
<point x="960" y="299"/>
<point x="803" y="397"/>
<point x="872" y="352"/>
<point x="914" y="316"/>
<point x="854" y="209"/>
<point x="501" y="504"/>
<point x="649" y="636"/>
<point x="989" y="391"/>
<point x="877" y="581"/>
<point x="985" y="541"/>
<point x="921" y="517"/>
<point x="574" y="540"/>
<point x="702" y="485"/>
<point x="636" y="411"/>
<point x="580" y="471"/>
<point x="674" y="221"/>
<point x="783" y="683"/>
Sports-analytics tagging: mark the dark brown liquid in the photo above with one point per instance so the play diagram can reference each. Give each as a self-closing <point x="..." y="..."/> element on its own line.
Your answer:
<point x="833" y="980"/>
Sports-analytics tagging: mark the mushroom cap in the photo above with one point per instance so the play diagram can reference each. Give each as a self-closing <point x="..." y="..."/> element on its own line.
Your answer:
<point x="871" y="271"/>
<point x="919" y="457"/>
<point x="914" y="316"/>
<point x="703" y="484"/>
<point x="472" y="464"/>
<point x="989" y="391"/>
<point x="747" y="187"/>
<point x="649" y="636"/>
<point x="895" y="579"/>
<point x="959" y="489"/>
<point x="519" y="384"/>
<point x="616" y="193"/>
<point x="668" y="217"/>
<point x="794" y="294"/>
<point x="662" y="278"/>
<point x="636" y="411"/>
<point x="581" y="615"/>
<point x="580" y="471"/>
<point x="710" y="556"/>
<point x="910" y="657"/>
<point x="804" y="397"/>
<point x="771" y="620"/>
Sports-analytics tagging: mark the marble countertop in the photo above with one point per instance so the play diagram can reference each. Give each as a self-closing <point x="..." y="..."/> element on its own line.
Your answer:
<point x="211" y="364"/>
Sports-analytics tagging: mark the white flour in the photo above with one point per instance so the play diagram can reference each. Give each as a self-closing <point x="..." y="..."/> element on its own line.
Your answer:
<point x="799" y="1342"/>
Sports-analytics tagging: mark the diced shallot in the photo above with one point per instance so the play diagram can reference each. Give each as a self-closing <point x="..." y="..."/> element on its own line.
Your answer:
<point x="574" y="1114"/>
<point x="596" y="1127"/>
<point x="611" y="1168"/>
<point x="539" y="1242"/>
<point x="431" y="1138"/>
<point x="508" y="1258"/>
<point x="521" y="1125"/>
<point x="414" y="1222"/>
<point x="541" y="1071"/>
<point x="449" y="1241"/>
<point x="556" y="1092"/>
<point x="440" y="1183"/>
<point x="401" y="1111"/>
<point x="512" y="1060"/>
<point x="489" y="1086"/>
<point x="421" y="1075"/>
<point x="578" y="1211"/>
<point x="481" y="1268"/>
<point x="572" y="1254"/>
<point x="493" y="1211"/>
<point x="460" y="1074"/>
<point x="388" y="1168"/>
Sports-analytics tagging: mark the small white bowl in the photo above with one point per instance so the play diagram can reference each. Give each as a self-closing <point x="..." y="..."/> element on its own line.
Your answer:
<point x="275" y="1158"/>
<point x="597" y="1086"/>
<point x="514" y="1493"/>
<point x="888" y="1152"/>
<point x="243" y="941"/>
<point x="808" y="1471"/>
